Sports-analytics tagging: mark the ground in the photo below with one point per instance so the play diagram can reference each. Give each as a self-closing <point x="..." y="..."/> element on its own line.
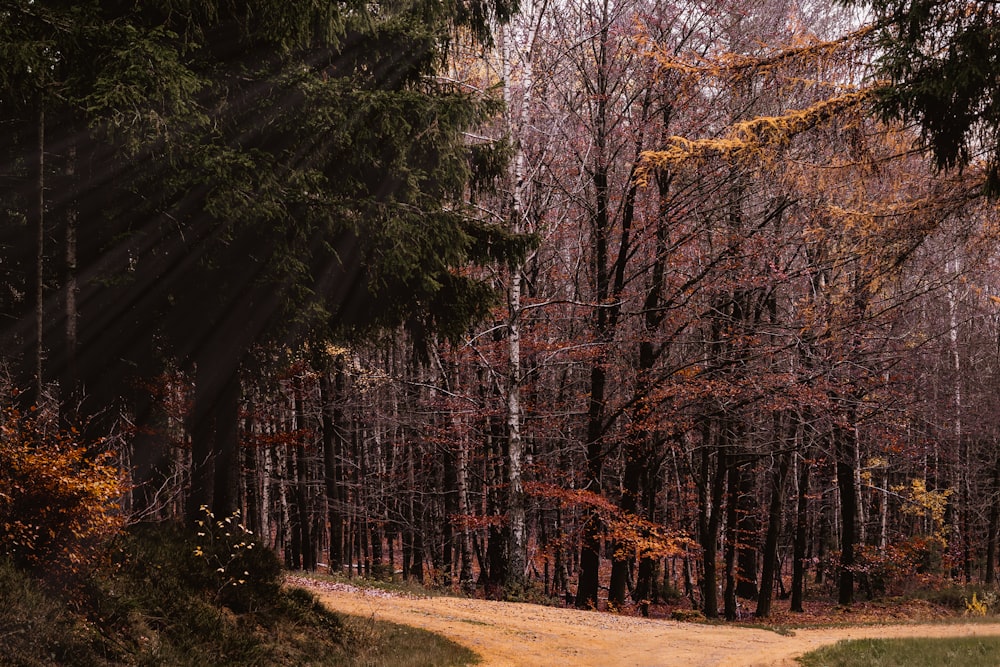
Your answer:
<point x="506" y="633"/>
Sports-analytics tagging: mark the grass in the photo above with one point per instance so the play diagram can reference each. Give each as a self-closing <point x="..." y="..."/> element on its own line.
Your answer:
<point x="965" y="651"/>
<point x="384" y="644"/>
<point x="162" y="606"/>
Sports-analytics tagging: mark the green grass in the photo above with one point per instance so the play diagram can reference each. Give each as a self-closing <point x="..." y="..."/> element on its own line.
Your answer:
<point x="964" y="651"/>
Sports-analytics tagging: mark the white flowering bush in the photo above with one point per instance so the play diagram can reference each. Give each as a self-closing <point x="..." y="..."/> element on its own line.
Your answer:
<point x="244" y="573"/>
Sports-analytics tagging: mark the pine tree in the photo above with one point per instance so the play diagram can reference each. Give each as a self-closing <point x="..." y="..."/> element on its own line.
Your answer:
<point x="265" y="173"/>
<point x="941" y="63"/>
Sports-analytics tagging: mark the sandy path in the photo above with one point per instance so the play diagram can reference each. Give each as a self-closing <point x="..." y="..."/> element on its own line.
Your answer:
<point x="506" y="633"/>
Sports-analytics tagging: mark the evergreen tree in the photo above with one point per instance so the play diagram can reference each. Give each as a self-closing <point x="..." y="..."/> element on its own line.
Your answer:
<point x="941" y="62"/>
<point x="261" y="173"/>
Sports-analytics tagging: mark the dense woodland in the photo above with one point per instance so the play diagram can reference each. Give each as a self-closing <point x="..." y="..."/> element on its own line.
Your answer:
<point x="610" y="301"/>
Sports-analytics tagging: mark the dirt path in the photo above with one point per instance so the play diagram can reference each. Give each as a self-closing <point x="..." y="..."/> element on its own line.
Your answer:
<point x="506" y="633"/>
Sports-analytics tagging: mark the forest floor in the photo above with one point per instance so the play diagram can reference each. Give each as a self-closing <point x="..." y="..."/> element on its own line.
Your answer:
<point x="516" y="634"/>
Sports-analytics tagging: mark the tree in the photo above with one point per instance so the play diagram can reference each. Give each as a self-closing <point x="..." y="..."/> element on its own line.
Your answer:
<point x="268" y="192"/>
<point x="941" y="64"/>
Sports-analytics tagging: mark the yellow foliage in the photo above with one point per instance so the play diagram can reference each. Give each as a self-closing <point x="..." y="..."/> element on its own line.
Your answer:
<point x="60" y="501"/>
<point x="976" y="607"/>
<point x="920" y="502"/>
<point x="751" y="136"/>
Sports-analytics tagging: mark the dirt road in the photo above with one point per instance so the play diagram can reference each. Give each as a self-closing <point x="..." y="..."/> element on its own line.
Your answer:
<point x="514" y="634"/>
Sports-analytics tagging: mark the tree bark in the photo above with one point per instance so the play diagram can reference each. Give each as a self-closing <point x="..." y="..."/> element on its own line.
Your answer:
<point x="769" y="571"/>
<point x="331" y="393"/>
<point x="709" y="520"/>
<point x="993" y="528"/>
<point x="37" y="211"/>
<point x="846" y="456"/>
<point x="801" y="539"/>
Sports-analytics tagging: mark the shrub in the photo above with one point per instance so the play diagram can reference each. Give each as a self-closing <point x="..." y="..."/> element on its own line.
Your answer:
<point x="687" y="615"/>
<point x="244" y="574"/>
<point x="58" y="500"/>
<point x="978" y="607"/>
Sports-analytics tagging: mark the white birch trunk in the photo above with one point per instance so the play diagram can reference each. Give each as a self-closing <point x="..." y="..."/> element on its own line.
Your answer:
<point x="517" y="119"/>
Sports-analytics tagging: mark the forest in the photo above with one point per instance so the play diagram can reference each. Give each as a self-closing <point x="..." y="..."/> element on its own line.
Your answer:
<point x="605" y="301"/>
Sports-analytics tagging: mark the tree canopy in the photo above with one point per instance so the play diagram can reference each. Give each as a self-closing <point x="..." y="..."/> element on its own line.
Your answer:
<point x="939" y="67"/>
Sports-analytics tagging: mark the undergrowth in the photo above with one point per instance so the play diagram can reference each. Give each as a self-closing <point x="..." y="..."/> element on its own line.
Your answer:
<point x="162" y="604"/>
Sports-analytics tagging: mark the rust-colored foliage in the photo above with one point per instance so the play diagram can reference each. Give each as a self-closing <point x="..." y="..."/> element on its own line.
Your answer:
<point x="634" y="535"/>
<point x="58" y="500"/>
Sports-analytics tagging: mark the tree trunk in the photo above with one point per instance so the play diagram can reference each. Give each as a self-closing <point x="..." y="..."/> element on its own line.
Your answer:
<point x="770" y="566"/>
<point x="731" y="538"/>
<point x="516" y="548"/>
<point x="846" y="455"/>
<point x="331" y="393"/>
<point x="302" y="496"/>
<point x="37" y="211"/>
<point x="294" y="551"/>
<point x="746" y="533"/>
<point x="68" y="382"/>
<point x="465" y="579"/>
<point x="255" y="481"/>
<point x="590" y="551"/>
<point x="497" y="537"/>
<point x="709" y="521"/>
<point x="990" y="576"/>
<point x="801" y="539"/>
<point x="621" y="562"/>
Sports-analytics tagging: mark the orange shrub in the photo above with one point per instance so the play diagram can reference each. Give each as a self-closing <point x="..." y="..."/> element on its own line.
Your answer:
<point x="58" y="502"/>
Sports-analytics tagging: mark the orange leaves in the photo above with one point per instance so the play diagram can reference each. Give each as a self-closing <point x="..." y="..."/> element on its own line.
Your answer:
<point x="749" y="138"/>
<point x="632" y="533"/>
<point x="59" y="502"/>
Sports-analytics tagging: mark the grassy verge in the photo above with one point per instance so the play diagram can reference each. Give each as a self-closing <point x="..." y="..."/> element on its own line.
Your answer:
<point x="965" y="651"/>
<point x="384" y="644"/>
<point x="162" y="605"/>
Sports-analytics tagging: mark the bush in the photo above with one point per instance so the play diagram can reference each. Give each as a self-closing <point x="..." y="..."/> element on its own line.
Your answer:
<point x="58" y="500"/>
<point x="958" y="597"/>
<point x="899" y="565"/>
<point x="687" y="615"/>
<point x="166" y="600"/>
<point x="244" y="573"/>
